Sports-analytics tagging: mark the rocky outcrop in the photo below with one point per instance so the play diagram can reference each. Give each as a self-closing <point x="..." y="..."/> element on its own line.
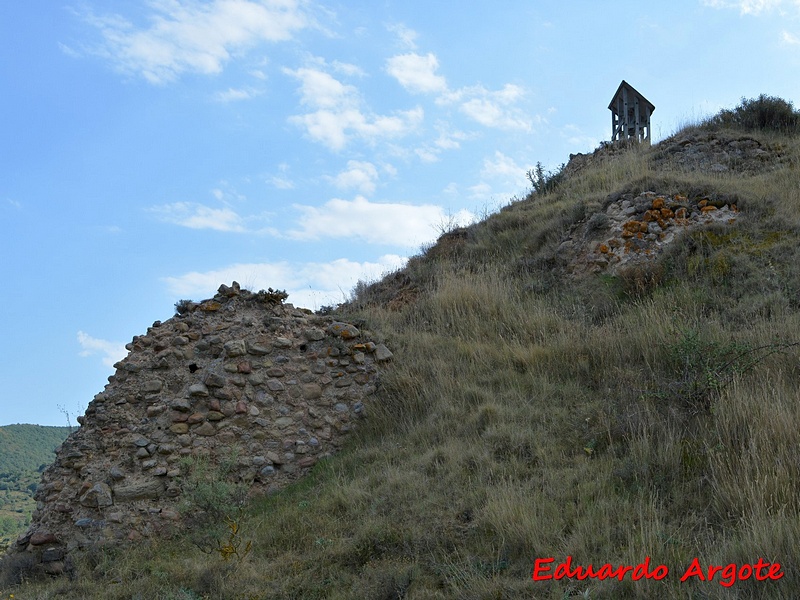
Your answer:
<point x="718" y="152"/>
<point x="634" y="229"/>
<point x="241" y="378"/>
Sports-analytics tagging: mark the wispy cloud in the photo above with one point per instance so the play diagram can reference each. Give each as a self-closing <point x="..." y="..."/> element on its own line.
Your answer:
<point x="501" y="166"/>
<point x="417" y="73"/>
<point x="447" y="140"/>
<point x="338" y="113"/>
<point x="348" y="69"/>
<point x="497" y="109"/>
<point x="406" y="36"/>
<point x="394" y="224"/>
<point x="753" y="7"/>
<point x="501" y="176"/>
<point x="790" y="38"/>
<point x="236" y="95"/>
<point x="198" y="216"/>
<point x="190" y="36"/>
<point x="111" y="352"/>
<point x="311" y="284"/>
<point x="282" y="181"/>
<point x="578" y="139"/>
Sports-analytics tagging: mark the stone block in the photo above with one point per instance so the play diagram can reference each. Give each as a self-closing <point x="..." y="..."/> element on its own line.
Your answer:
<point x="140" y="490"/>
<point x="345" y="331"/>
<point x="198" y="389"/>
<point x="235" y="348"/>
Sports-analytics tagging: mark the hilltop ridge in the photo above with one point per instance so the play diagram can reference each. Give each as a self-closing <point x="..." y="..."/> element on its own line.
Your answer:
<point x="544" y="400"/>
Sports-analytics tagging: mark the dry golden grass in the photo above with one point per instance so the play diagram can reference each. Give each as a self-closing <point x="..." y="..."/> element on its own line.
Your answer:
<point x="528" y="415"/>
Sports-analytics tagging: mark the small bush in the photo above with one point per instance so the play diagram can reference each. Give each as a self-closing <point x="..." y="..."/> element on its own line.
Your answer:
<point x="763" y="113"/>
<point x="544" y="182"/>
<point x="211" y="506"/>
<point x="271" y="296"/>
<point x="184" y="306"/>
<point x="16" y="569"/>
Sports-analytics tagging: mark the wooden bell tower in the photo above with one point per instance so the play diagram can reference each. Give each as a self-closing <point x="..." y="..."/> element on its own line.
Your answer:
<point x="630" y="114"/>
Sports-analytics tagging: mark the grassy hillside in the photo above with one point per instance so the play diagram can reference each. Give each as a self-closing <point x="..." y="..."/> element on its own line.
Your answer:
<point x="531" y="413"/>
<point x="24" y="451"/>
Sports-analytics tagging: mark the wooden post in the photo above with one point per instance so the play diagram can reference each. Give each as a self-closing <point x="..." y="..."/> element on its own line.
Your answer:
<point x="625" y="123"/>
<point x="615" y="120"/>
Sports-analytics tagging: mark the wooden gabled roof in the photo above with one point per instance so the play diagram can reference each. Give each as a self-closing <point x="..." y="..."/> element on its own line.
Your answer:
<point x="624" y="83"/>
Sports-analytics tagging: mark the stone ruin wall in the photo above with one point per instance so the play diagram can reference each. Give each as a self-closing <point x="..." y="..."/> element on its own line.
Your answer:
<point x="240" y="376"/>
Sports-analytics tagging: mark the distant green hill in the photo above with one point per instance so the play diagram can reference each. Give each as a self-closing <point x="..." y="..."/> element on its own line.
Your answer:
<point x="25" y="450"/>
<point x="27" y="447"/>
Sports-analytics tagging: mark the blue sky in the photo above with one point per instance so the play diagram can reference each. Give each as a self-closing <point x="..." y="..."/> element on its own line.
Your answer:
<point x="153" y="149"/>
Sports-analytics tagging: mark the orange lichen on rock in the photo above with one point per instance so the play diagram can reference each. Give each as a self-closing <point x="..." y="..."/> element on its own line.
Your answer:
<point x="649" y="216"/>
<point x="632" y="226"/>
<point x="658" y="203"/>
<point x="679" y="198"/>
<point x="680" y="213"/>
<point x="603" y="249"/>
<point x="708" y="208"/>
<point x="702" y="203"/>
<point x="210" y="306"/>
<point x="643" y="227"/>
<point x="667" y="213"/>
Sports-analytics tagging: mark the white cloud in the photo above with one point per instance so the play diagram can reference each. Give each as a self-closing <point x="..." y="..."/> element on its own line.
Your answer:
<point x="417" y="73"/>
<point x="480" y="191"/>
<point x="348" y="69"/>
<point x="447" y="140"/>
<point x="319" y="89"/>
<point x="501" y="176"/>
<point x="395" y="224"/>
<point x="334" y="129"/>
<point x="112" y="352"/>
<point x="790" y="38"/>
<point x="361" y="176"/>
<point x="310" y="284"/>
<point x="495" y="108"/>
<point x="451" y="189"/>
<point x="198" y="216"/>
<point x="235" y="95"/>
<point x="427" y="154"/>
<point x="501" y="166"/>
<point x="282" y="181"/>
<point x="193" y="36"/>
<point x="339" y="115"/>
<point x="578" y="140"/>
